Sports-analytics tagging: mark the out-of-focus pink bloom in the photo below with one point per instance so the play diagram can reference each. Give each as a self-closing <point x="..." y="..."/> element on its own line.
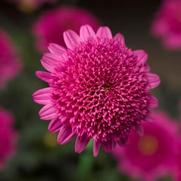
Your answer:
<point x="153" y="154"/>
<point x="97" y="89"/>
<point x="9" y="60"/>
<point x="51" y="25"/>
<point x="167" y="24"/>
<point x="177" y="171"/>
<point x="8" y="137"/>
<point x="30" y="5"/>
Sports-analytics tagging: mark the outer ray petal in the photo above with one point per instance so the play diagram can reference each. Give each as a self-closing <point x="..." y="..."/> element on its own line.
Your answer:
<point x="71" y="39"/>
<point x="45" y="76"/>
<point x="119" y="38"/>
<point x="154" y="80"/>
<point x="48" y="112"/>
<point x="42" y="96"/>
<point x="153" y="102"/>
<point x="96" y="148"/>
<point x="57" y="49"/>
<point x="141" y="55"/>
<point x="104" y="32"/>
<point x="48" y="62"/>
<point x="54" y="125"/>
<point x="81" y="143"/>
<point x="86" y="32"/>
<point x="65" y="134"/>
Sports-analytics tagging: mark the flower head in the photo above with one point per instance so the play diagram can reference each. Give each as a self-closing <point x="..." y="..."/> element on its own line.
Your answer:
<point x="7" y="137"/>
<point x="167" y="24"/>
<point x="152" y="155"/>
<point x="51" y="25"/>
<point x="98" y="89"/>
<point x="9" y="60"/>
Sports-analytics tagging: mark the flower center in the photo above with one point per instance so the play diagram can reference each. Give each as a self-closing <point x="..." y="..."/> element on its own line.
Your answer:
<point x="107" y="87"/>
<point x="148" y="145"/>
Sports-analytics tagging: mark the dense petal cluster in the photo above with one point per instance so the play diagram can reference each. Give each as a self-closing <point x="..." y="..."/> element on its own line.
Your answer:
<point x="8" y="137"/>
<point x="167" y="24"/>
<point x="98" y="89"/>
<point x="152" y="155"/>
<point x="51" y="25"/>
<point x="9" y="60"/>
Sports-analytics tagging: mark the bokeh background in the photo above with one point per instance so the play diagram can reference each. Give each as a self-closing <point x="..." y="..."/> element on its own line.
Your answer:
<point x="38" y="157"/>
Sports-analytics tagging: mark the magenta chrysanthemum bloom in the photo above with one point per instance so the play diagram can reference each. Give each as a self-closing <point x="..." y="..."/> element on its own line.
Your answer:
<point x="8" y="137"/>
<point x="9" y="60"/>
<point x="153" y="154"/>
<point x="167" y="24"/>
<point x="98" y="89"/>
<point x="51" y="25"/>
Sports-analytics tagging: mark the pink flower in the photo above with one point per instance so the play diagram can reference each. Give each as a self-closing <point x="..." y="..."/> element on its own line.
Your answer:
<point x="177" y="173"/>
<point x="98" y="89"/>
<point x="8" y="137"/>
<point x="51" y="25"/>
<point x="9" y="60"/>
<point x="152" y="155"/>
<point x="167" y="24"/>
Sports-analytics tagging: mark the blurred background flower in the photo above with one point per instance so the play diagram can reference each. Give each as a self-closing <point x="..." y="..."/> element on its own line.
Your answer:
<point x="9" y="59"/>
<point x="152" y="155"/>
<point x="8" y="137"/>
<point x="50" y="25"/>
<point x="167" y="24"/>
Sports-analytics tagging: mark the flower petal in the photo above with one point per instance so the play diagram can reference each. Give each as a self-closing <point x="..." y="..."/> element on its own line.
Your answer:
<point x="119" y="38"/>
<point x="57" y="49"/>
<point x="55" y="125"/>
<point x="154" y="80"/>
<point x="141" y="55"/>
<point x="42" y="96"/>
<point x="45" y="76"/>
<point x="48" y="112"/>
<point x="104" y="32"/>
<point x="65" y="134"/>
<point x="86" y="32"/>
<point x="153" y="102"/>
<point x="96" y="148"/>
<point x="80" y="143"/>
<point x="44" y="90"/>
<point x="49" y="61"/>
<point x="71" y="39"/>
